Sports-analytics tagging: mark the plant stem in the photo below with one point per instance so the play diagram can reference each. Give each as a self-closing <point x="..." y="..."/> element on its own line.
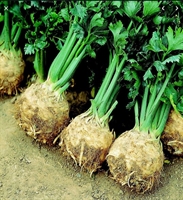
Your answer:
<point x="107" y="79"/>
<point x="70" y="58"/>
<point x="144" y="105"/>
<point x="69" y="71"/>
<point x="110" y="88"/>
<point x="6" y="30"/>
<point x="147" y="122"/>
<point x="39" y="64"/>
<point x="57" y="64"/>
<point x="17" y="37"/>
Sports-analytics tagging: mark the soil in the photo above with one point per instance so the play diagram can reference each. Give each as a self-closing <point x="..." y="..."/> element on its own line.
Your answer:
<point x="30" y="171"/>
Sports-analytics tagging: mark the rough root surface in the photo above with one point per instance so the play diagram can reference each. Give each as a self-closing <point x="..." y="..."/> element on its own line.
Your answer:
<point x="41" y="114"/>
<point x="86" y="142"/>
<point x="11" y="72"/>
<point x="172" y="137"/>
<point x="136" y="160"/>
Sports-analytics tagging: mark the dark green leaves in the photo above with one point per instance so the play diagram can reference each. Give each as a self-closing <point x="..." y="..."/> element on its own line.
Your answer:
<point x="150" y="8"/>
<point x="96" y="21"/>
<point x="175" y="39"/>
<point x="155" y="43"/>
<point x="119" y="36"/>
<point x="131" y="8"/>
<point x="79" y="11"/>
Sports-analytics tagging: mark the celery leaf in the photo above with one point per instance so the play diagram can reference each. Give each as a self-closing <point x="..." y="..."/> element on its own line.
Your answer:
<point x="131" y="8"/>
<point x="150" y="8"/>
<point x="175" y="41"/>
<point x="79" y="11"/>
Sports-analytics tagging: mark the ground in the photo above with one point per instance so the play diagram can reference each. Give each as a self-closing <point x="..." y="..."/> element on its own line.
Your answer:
<point x="29" y="171"/>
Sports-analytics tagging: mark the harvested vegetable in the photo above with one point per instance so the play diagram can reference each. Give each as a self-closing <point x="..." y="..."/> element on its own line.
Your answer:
<point x="136" y="157"/>
<point x="88" y="137"/>
<point x="43" y="107"/>
<point x="12" y="64"/>
<point x="172" y="137"/>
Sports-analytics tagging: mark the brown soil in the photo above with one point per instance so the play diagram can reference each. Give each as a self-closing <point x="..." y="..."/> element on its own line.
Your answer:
<point x="30" y="171"/>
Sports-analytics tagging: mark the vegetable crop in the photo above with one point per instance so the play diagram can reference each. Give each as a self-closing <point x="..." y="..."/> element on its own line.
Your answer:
<point x="136" y="157"/>
<point x="12" y="64"/>
<point x="172" y="137"/>
<point x="88" y="137"/>
<point x="43" y="108"/>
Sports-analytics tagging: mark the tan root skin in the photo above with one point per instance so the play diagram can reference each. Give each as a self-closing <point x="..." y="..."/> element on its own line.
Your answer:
<point x="86" y="142"/>
<point x="172" y="136"/>
<point x="41" y="113"/>
<point x="136" y="160"/>
<point x="11" y="72"/>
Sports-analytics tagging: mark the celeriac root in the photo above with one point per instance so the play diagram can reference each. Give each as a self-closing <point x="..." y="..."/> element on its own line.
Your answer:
<point x="136" y="160"/>
<point x="42" y="113"/>
<point x="86" y="142"/>
<point x="11" y="72"/>
<point x="172" y="137"/>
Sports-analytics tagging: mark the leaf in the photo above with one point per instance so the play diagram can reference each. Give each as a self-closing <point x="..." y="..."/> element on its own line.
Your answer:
<point x="1" y="17"/>
<point x="90" y="4"/>
<point x="16" y="10"/>
<point x="117" y="3"/>
<point x="131" y="8"/>
<point x="159" y="65"/>
<point x="170" y="92"/>
<point x="119" y="34"/>
<point x="32" y="18"/>
<point x="40" y="44"/>
<point x="90" y="51"/>
<point x="155" y="43"/>
<point x="29" y="49"/>
<point x="101" y="40"/>
<point x="150" y="8"/>
<point x="54" y="15"/>
<point x="135" y="64"/>
<point x="96" y="21"/>
<point x="148" y="74"/>
<point x="178" y="83"/>
<point x="175" y="41"/>
<point x="79" y="11"/>
<point x="78" y="30"/>
<point x="26" y="6"/>
<point x="35" y="4"/>
<point x="65" y="14"/>
<point x="127" y="74"/>
<point x="180" y="74"/>
<point x="172" y="59"/>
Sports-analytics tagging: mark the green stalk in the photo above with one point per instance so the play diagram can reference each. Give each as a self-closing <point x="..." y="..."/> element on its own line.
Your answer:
<point x="156" y="119"/>
<point x="107" y="79"/>
<point x="39" y="64"/>
<point x="136" y="111"/>
<point x="6" y="30"/>
<point x="163" y="119"/>
<point x="14" y="30"/>
<point x="17" y="36"/>
<point x="109" y="91"/>
<point x="69" y="71"/>
<point x="163" y="86"/>
<point x="152" y="97"/>
<point x="112" y="97"/>
<point x="59" y="61"/>
<point x="153" y="110"/>
<point x="105" y="118"/>
<point x="70" y="58"/>
<point x="63" y="88"/>
<point x="144" y="105"/>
